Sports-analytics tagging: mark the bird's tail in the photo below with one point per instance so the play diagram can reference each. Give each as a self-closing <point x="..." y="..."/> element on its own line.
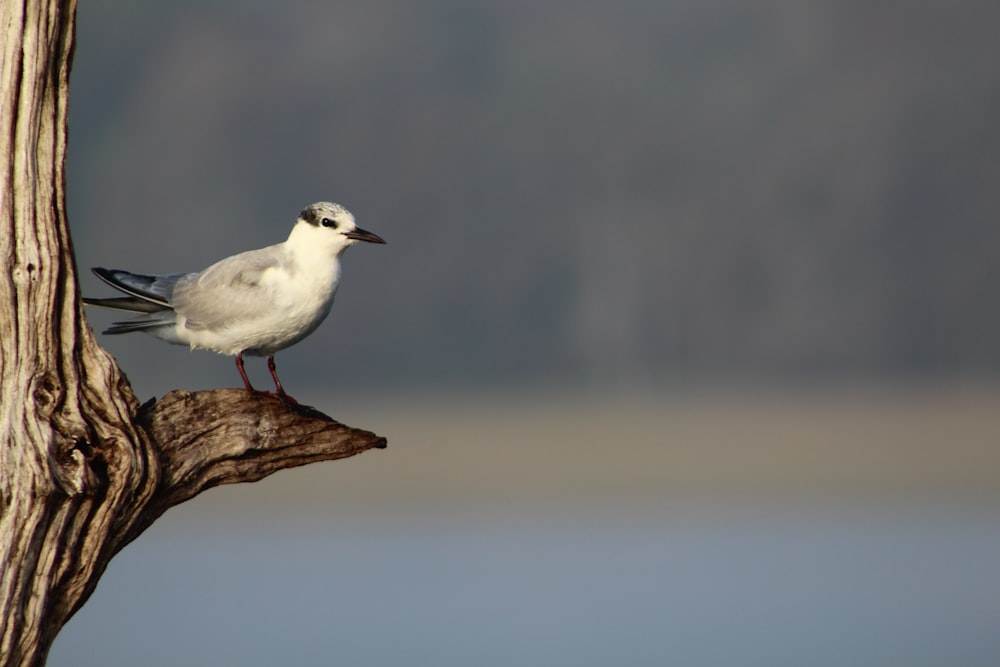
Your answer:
<point x="147" y="297"/>
<point x="151" y="315"/>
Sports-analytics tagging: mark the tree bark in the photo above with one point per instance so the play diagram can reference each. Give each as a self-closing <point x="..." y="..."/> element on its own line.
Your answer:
<point x="83" y="468"/>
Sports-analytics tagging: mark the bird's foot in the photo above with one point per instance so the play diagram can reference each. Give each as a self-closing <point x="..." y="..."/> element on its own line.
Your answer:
<point x="280" y="395"/>
<point x="294" y="405"/>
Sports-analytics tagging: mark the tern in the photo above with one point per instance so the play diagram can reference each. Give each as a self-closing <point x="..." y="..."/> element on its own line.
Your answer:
<point x="256" y="303"/>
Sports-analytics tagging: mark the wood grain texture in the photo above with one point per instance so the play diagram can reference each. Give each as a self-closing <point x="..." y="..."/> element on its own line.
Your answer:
<point x="228" y="436"/>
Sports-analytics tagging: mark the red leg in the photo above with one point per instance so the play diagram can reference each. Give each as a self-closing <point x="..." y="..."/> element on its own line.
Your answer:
<point x="277" y="383"/>
<point x="243" y="373"/>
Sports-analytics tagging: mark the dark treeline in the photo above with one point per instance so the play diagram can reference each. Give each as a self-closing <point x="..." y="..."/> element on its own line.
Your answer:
<point x="614" y="192"/>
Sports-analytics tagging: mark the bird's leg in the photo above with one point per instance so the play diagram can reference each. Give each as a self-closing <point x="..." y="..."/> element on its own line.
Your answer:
<point x="243" y="373"/>
<point x="280" y="391"/>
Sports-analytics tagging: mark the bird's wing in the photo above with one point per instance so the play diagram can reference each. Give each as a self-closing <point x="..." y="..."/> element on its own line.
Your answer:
<point x="152" y="289"/>
<point x="129" y="304"/>
<point x="228" y="292"/>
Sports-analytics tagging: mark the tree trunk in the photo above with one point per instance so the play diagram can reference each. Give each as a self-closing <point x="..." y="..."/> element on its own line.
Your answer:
<point x="83" y="468"/>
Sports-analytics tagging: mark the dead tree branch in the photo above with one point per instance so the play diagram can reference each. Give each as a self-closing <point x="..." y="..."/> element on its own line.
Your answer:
<point x="83" y="468"/>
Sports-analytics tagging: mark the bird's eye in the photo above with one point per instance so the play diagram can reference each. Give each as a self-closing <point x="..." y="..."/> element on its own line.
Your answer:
<point x="329" y="222"/>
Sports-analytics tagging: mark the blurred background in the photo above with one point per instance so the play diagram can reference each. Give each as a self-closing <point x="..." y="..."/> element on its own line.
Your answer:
<point x="684" y="339"/>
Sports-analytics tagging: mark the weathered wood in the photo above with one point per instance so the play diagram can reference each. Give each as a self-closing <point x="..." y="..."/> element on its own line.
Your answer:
<point x="227" y="436"/>
<point x="83" y="468"/>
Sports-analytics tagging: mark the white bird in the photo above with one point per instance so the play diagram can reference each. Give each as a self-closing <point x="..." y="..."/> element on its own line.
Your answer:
<point x="257" y="302"/>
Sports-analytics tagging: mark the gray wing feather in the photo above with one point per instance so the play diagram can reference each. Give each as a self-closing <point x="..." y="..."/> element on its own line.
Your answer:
<point x="154" y="289"/>
<point x="130" y="304"/>
<point x="147" y="295"/>
<point x="226" y="293"/>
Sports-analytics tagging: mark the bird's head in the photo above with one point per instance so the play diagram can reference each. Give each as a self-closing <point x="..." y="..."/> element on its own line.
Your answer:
<point x="329" y="226"/>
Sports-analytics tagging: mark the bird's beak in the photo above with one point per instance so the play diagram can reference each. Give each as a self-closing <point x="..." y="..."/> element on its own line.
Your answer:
<point x="359" y="234"/>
